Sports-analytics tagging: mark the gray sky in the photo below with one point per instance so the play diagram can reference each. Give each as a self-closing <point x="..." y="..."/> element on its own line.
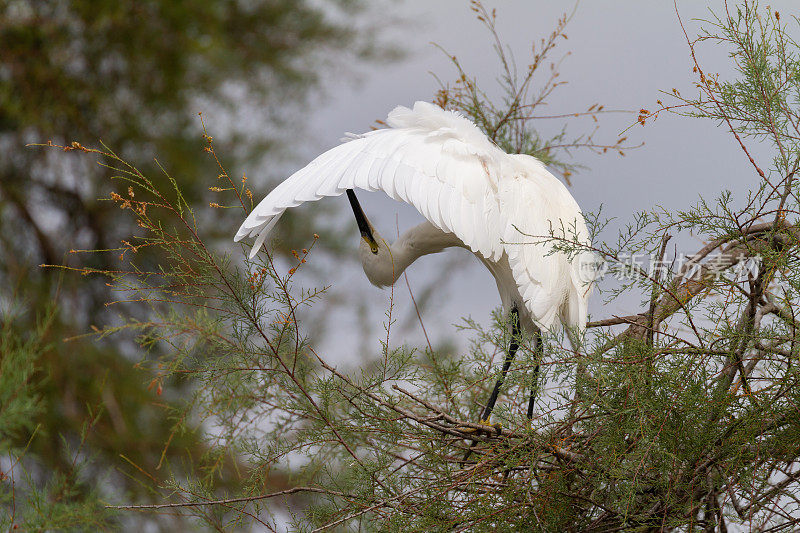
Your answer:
<point x="622" y="53"/>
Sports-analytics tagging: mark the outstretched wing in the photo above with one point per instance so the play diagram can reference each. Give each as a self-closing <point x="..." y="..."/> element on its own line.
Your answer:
<point x="443" y="165"/>
<point x="435" y="160"/>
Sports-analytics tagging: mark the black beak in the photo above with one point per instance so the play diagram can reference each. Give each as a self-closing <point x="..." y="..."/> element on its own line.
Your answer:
<point x="361" y="220"/>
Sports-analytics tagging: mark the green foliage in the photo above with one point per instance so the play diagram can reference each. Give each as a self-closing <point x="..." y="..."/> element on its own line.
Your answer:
<point x="681" y="417"/>
<point x="136" y="74"/>
<point x="19" y="403"/>
<point x="65" y="500"/>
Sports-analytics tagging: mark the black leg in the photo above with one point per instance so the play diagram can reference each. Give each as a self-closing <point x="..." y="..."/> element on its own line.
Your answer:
<point x="512" y="351"/>
<point x="537" y="354"/>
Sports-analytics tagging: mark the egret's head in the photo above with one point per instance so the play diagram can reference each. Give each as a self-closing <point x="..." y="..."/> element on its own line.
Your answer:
<point x="377" y="260"/>
<point x="374" y="252"/>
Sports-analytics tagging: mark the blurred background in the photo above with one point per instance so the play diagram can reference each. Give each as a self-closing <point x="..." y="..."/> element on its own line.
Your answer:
<point x="277" y="83"/>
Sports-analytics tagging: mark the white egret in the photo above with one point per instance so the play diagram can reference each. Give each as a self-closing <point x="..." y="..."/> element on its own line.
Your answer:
<point x="505" y="208"/>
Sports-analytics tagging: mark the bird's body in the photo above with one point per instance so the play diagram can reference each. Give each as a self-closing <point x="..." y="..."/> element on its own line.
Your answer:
<point x="505" y="208"/>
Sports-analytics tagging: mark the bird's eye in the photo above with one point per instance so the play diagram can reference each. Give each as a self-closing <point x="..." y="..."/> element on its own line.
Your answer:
<point x="374" y="248"/>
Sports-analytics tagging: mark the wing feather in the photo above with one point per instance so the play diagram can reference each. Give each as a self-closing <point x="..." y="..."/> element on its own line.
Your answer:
<point x="439" y="162"/>
<point x="417" y="161"/>
<point x="546" y="279"/>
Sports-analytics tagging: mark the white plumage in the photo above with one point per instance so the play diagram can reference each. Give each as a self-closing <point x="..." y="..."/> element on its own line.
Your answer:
<point x="503" y="207"/>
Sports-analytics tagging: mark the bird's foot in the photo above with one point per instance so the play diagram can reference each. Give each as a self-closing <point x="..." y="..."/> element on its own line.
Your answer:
<point x="497" y="425"/>
<point x="485" y="422"/>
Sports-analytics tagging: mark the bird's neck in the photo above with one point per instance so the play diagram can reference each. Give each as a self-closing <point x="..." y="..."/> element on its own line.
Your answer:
<point x="384" y="268"/>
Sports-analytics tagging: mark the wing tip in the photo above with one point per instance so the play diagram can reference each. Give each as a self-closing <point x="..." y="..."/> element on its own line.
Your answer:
<point x="253" y="251"/>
